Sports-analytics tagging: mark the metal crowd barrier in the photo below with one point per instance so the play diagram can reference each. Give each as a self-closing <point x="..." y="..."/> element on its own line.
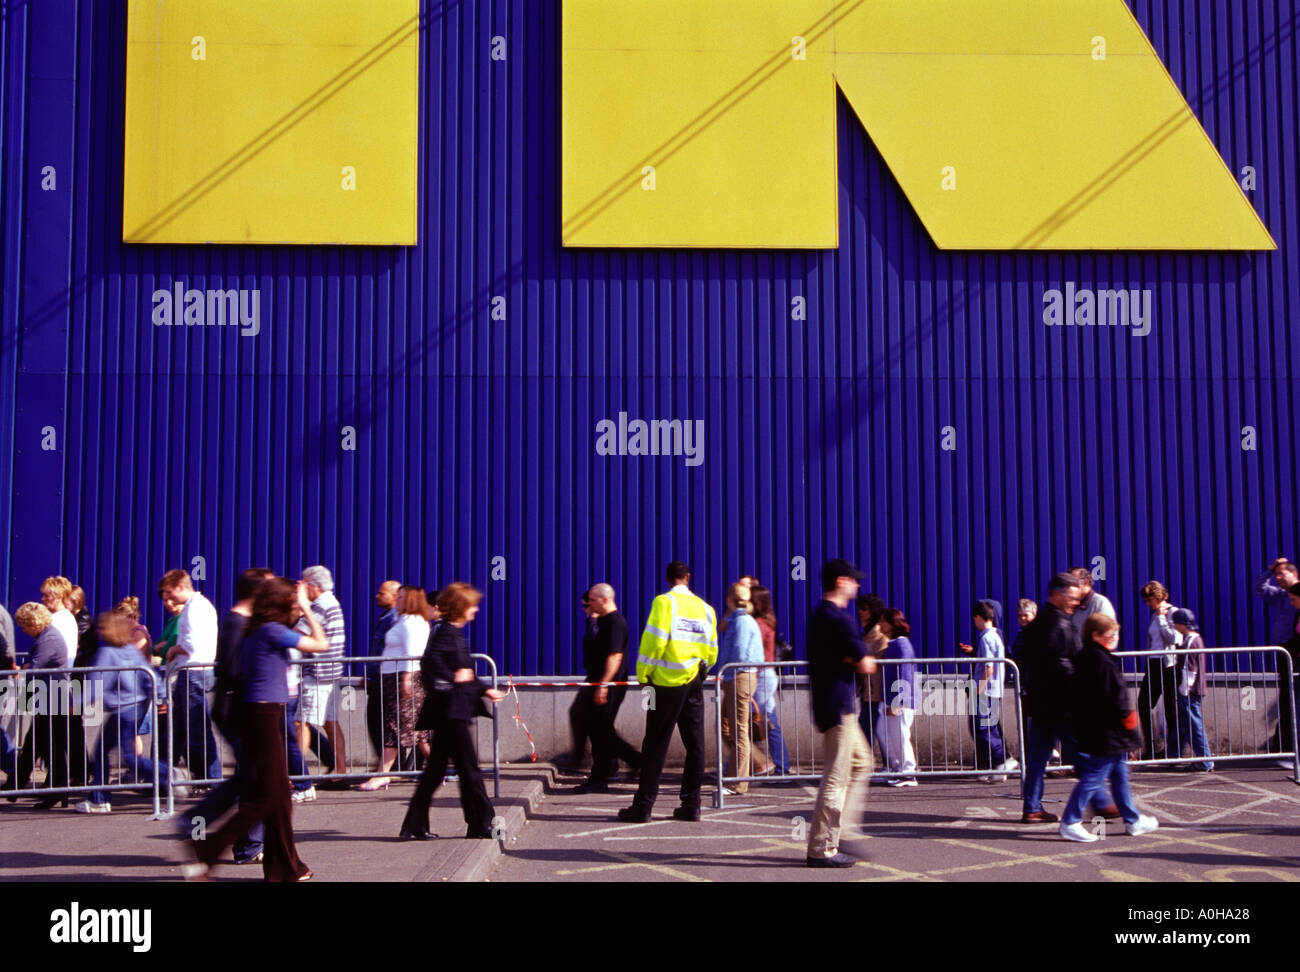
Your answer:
<point x="75" y="699"/>
<point x="1236" y="713"/>
<point x="1233" y="712"/>
<point x="940" y="732"/>
<point x="354" y="694"/>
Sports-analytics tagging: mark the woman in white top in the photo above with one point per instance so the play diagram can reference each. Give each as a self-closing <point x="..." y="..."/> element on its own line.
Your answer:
<point x="399" y="677"/>
<point x="1159" y="675"/>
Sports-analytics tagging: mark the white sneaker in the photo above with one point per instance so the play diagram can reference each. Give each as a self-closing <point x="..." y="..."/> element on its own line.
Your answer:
<point x="909" y="782"/>
<point x="195" y="871"/>
<point x="993" y="778"/>
<point x="1143" y="825"/>
<point x="305" y="796"/>
<point x="85" y="806"/>
<point x="180" y="774"/>
<point x="1010" y="765"/>
<point x="1077" y="831"/>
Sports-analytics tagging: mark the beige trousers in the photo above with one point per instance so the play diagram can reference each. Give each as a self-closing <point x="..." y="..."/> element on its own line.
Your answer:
<point x="737" y="700"/>
<point x="844" y="782"/>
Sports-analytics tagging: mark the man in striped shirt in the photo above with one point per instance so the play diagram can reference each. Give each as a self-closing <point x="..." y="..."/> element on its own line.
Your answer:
<point x="319" y="696"/>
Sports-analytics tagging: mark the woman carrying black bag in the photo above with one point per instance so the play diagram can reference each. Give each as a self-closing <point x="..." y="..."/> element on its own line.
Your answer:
<point x="453" y="697"/>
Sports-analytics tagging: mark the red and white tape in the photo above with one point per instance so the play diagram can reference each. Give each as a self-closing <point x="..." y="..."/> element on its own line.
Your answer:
<point x="519" y="721"/>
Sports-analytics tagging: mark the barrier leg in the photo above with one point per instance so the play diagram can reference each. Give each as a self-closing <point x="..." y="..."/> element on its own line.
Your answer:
<point x="718" y="798"/>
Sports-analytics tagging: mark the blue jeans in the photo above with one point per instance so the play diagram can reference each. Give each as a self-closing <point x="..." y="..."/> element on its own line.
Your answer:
<point x="121" y="726"/>
<point x="222" y="797"/>
<point x="869" y="721"/>
<point x="1192" y="728"/>
<point x="765" y="697"/>
<point x="774" y="747"/>
<point x="1094" y="773"/>
<point x="297" y="762"/>
<point x="8" y="756"/>
<point x="197" y="744"/>
<point x="1043" y="737"/>
<point x="986" y="730"/>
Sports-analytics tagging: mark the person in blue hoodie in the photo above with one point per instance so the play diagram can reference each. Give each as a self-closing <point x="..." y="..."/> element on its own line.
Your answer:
<point x="125" y="697"/>
<point x="902" y="689"/>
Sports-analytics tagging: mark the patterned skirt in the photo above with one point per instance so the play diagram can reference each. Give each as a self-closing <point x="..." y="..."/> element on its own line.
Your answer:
<point x="401" y="714"/>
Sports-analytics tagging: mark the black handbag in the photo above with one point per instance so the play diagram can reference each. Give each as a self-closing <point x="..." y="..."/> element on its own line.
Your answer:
<point x="783" y="650"/>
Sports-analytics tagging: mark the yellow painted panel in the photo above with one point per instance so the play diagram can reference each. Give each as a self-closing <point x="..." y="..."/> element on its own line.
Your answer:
<point x="983" y="27"/>
<point x="1052" y="149"/>
<point x="1051" y="146"/>
<point x="740" y="134"/>
<point x="250" y="144"/>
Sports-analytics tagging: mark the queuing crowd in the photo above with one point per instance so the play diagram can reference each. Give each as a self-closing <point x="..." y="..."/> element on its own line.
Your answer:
<point x="239" y="672"/>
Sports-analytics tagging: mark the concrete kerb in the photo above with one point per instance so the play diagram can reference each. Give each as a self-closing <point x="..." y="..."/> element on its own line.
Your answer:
<point x="477" y="859"/>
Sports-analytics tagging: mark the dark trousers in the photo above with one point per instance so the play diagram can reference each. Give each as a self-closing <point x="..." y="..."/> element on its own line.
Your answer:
<point x="196" y="744"/>
<point x="224" y="796"/>
<point x="868" y="717"/>
<point x="681" y="706"/>
<point x="375" y="714"/>
<point x="1044" y="734"/>
<point x="77" y="763"/>
<point x="452" y="740"/>
<point x="1159" y="684"/>
<point x="47" y="740"/>
<point x="267" y="798"/>
<point x="607" y="746"/>
<point x="580" y="724"/>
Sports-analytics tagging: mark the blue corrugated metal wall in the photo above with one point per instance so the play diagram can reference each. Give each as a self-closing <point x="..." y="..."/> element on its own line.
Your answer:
<point x="475" y="438"/>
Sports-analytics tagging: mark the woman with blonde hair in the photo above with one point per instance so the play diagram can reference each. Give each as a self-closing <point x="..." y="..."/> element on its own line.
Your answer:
<point x="740" y="642"/>
<point x="47" y="739"/>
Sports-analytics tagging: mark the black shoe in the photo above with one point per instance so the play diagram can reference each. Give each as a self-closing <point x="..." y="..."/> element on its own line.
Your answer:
<point x="49" y="802"/>
<point x="839" y="860"/>
<point x="408" y="834"/>
<point x="334" y="785"/>
<point x="589" y="787"/>
<point x="690" y="816"/>
<point x="479" y="835"/>
<point x="633" y="815"/>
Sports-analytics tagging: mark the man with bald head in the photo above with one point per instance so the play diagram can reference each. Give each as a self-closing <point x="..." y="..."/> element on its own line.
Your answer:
<point x="386" y="598"/>
<point x="605" y="660"/>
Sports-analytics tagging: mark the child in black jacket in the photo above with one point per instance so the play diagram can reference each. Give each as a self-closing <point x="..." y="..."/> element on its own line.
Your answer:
<point x="1106" y="727"/>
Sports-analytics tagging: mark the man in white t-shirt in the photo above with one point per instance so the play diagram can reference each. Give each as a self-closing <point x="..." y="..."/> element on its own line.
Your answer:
<point x="56" y="592"/>
<point x="196" y="644"/>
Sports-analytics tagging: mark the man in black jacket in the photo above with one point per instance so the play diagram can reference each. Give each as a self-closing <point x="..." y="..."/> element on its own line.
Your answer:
<point x="1046" y="657"/>
<point x="605" y="660"/>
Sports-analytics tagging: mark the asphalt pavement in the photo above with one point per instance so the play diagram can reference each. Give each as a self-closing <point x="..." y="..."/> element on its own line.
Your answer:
<point x="1234" y="824"/>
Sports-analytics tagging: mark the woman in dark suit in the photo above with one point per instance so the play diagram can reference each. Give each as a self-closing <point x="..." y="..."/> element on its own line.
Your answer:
<point x="453" y="697"/>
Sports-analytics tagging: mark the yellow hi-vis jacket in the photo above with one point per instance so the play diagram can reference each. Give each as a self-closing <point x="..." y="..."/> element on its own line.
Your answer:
<point x="682" y="630"/>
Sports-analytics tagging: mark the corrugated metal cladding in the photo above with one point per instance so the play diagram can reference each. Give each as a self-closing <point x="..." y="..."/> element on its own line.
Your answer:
<point x="475" y="438"/>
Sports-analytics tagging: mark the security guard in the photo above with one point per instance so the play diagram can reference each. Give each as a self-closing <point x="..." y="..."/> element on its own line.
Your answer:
<point x="679" y="645"/>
